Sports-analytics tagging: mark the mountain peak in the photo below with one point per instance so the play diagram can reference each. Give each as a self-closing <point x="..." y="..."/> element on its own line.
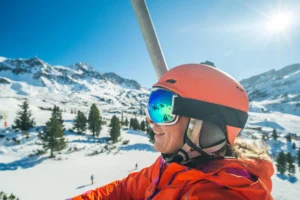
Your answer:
<point x="127" y="83"/>
<point x="83" y="66"/>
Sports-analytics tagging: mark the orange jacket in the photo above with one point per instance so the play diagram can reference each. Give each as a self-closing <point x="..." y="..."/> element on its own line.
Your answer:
<point x="226" y="179"/>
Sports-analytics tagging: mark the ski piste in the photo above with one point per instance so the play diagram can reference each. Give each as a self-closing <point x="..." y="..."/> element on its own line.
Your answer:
<point x="150" y="37"/>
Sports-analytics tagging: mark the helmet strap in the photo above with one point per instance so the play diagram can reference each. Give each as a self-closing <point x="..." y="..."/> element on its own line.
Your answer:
<point x="191" y="148"/>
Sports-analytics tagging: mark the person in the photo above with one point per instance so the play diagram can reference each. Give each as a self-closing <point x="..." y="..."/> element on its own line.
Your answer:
<point x="136" y="166"/>
<point x="92" y="179"/>
<point x="197" y="112"/>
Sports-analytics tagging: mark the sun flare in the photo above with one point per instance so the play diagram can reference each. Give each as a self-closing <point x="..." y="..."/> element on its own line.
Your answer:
<point x="279" y="22"/>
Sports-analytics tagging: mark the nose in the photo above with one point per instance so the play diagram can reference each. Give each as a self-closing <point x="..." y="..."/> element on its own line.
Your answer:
<point x="156" y="128"/>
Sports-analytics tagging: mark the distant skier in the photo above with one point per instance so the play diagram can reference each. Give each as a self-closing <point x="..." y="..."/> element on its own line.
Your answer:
<point x="136" y="166"/>
<point x="92" y="179"/>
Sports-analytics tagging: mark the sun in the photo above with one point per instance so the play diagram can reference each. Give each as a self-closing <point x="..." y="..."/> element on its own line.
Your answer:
<point x="279" y="22"/>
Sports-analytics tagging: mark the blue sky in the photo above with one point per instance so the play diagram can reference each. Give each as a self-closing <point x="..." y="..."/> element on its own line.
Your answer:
<point x="234" y="34"/>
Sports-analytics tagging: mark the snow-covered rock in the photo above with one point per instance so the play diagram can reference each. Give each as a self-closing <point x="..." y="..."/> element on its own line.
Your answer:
<point x="275" y="90"/>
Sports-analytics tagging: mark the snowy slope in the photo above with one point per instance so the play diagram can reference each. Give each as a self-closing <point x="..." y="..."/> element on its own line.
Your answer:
<point x="69" y="173"/>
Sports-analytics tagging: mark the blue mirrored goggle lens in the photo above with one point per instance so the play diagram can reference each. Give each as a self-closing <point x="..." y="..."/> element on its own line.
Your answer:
<point x="160" y="106"/>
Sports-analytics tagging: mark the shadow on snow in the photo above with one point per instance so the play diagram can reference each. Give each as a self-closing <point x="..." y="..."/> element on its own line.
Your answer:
<point x="139" y="147"/>
<point x="91" y="140"/>
<point x="133" y="132"/>
<point x="291" y="179"/>
<point x="23" y="163"/>
<point x="79" y="187"/>
<point x="275" y="147"/>
<point x="270" y="124"/>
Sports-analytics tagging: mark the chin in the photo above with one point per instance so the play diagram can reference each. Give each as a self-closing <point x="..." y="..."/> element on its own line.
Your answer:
<point x="158" y="148"/>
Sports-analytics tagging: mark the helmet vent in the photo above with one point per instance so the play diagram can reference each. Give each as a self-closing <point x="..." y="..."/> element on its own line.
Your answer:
<point x="240" y="89"/>
<point x="171" y="81"/>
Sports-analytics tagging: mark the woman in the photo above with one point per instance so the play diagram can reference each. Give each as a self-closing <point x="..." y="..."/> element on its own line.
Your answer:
<point x="196" y="111"/>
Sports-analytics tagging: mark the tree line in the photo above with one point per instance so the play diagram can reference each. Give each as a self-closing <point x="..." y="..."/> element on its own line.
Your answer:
<point x="80" y="125"/>
<point x="285" y="163"/>
<point x="53" y="136"/>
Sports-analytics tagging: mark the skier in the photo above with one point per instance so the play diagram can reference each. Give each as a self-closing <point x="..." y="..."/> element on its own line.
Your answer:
<point x="204" y="111"/>
<point x="136" y="166"/>
<point x="92" y="179"/>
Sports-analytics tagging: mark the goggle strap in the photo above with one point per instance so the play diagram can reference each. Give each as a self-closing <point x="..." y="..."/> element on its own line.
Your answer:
<point x="209" y="112"/>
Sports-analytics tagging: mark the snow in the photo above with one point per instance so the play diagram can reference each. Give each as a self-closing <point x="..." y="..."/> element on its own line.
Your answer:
<point x="31" y="178"/>
<point x="285" y="123"/>
<point x="21" y="78"/>
<point x="2" y="59"/>
<point x="291" y="74"/>
<point x="70" y="177"/>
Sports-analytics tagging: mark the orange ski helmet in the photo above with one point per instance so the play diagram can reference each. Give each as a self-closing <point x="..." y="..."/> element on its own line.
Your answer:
<point x="209" y="94"/>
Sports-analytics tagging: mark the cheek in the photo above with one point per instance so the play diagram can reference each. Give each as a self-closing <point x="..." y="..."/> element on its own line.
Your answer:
<point x="176" y="138"/>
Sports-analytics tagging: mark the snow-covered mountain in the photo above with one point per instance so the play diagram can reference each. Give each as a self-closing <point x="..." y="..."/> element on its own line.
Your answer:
<point x="40" y="70"/>
<point x="275" y="90"/>
<point x="34" y="78"/>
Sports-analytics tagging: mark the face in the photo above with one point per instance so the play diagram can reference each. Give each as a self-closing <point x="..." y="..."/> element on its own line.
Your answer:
<point x="169" y="139"/>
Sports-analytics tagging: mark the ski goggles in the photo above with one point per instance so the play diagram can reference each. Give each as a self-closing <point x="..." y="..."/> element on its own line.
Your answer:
<point x="164" y="108"/>
<point x="160" y="107"/>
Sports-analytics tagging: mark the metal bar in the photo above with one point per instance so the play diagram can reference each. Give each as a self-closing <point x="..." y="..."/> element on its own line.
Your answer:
<point x="150" y="38"/>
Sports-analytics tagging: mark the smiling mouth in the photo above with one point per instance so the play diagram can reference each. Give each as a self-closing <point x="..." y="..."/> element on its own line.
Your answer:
<point x="159" y="134"/>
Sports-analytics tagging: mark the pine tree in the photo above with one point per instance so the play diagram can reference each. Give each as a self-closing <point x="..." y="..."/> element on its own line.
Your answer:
<point x="291" y="167"/>
<point x="56" y="113"/>
<point x="298" y="156"/>
<point x="131" y="123"/>
<point x="94" y="120"/>
<point x="122" y="120"/>
<point x="4" y="196"/>
<point x="80" y="122"/>
<point x="24" y="120"/>
<point x="138" y="125"/>
<point x="151" y="135"/>
<point x="115" y="128"/>
<point x="135" y="124"/>
<point x="281" y="163"/>
<point x="147" y="125"/>
<point x="126" y="122"/>
<point x="289" y="138"/>
<point x="275" y="135"/>
<point x="53" y="136"/>
<point x="143" y="125"/>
